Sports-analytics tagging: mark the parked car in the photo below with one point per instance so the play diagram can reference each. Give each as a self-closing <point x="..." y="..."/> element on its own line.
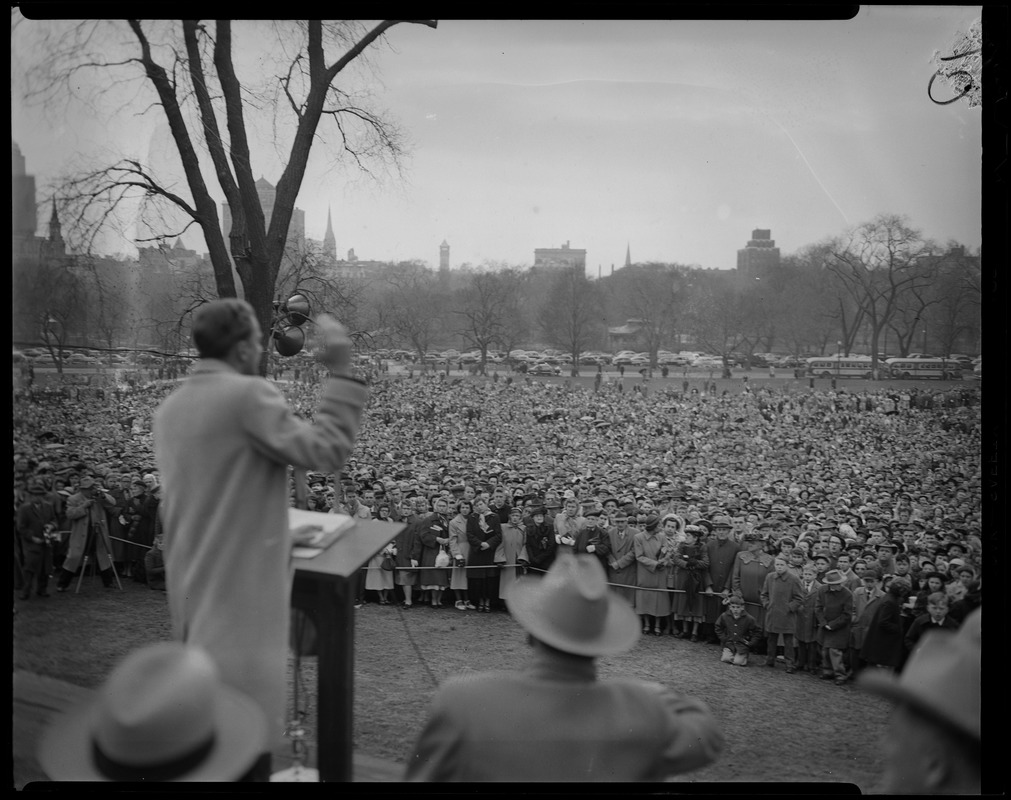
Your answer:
<point x="543" y="368"/>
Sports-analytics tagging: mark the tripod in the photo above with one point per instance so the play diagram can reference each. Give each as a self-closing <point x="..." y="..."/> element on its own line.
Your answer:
<point x="94" y="541"/>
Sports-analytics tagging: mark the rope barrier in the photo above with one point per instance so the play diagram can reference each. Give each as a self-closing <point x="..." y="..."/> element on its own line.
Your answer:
<point x="668" y="590"/>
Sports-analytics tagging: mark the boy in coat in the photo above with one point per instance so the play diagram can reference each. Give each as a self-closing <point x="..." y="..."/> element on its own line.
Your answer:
<point x="556" y="721"/>
<point x="738" y="632"/>
<point x="782" y="596"/>
<point x="834" y="610"/>
<point x="806" y="631"/>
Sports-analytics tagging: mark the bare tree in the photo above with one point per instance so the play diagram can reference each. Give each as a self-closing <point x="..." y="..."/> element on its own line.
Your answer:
<point x="653" y="294"/>
<point x="484" y="308"/>
<point x="51" y="300"/>
<point x="720" y="316"/>
<point x="191" y="70"/>
<point x="411" y="307"/>
<point x="571" y="316"/>
<point x="876" y="264"/>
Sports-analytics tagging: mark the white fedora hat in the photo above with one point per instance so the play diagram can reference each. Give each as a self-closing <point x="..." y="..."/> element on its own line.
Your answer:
<point x="163" y="715"/>
<point x="572" y="608"/>
<point x="941" y="678"/>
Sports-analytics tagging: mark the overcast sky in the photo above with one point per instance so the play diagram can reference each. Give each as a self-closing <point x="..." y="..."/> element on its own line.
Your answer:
<point x="676" y="138"/>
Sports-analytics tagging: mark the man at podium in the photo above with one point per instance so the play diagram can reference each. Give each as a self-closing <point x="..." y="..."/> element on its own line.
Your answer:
<point x="223" y="441"/>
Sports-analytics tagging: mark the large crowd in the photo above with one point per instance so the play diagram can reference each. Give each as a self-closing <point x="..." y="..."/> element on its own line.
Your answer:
<point x="828" y="528"/>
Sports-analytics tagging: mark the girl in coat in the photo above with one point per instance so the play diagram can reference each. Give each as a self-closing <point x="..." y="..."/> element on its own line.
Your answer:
<point x="690" y="569"/>
<point x="484" y="532"/>
<point x="378" y="579"/>
<point x="459" y="549"/>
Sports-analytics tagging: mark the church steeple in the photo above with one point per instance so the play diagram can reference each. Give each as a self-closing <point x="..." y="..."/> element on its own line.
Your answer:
<point x="329" y="242"/>
<point x="628" y="254"/>
<point x="55" y="230"/>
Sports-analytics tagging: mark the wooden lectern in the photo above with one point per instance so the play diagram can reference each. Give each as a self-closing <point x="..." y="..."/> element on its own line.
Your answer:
<point x="324" y="585"/>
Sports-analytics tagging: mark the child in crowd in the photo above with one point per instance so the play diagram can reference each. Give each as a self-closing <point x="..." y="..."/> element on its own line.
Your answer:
<point x="936" y="617"/>
<point x="782" y="596"/>
<point x="806" y="630"/>
<point x="737" y="631"/>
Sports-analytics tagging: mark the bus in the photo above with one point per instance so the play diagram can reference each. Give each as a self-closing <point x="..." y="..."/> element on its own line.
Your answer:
<point x="914" y="368"/>
<point x="840" y="366"/>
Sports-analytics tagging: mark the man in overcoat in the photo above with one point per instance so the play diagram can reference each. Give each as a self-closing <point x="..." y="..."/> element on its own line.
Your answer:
<point x="223" y="441"/>
<point x="833" y="609"/>
<point x="35" y="520"/>
<point x="86" y="512"/>
<point x="721" y="549"/>
<point x="621" y="563"/>
<point x="555" y="721"/>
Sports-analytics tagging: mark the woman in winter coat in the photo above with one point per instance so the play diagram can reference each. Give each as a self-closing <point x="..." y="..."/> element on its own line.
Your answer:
<point x="511" y="551"/>
<point x="484" y="532"/>
<point x="690" y="564"/>
<point x="541" y="545"/>
<point x="652" y="600"/>
<point x="883" y="639"/>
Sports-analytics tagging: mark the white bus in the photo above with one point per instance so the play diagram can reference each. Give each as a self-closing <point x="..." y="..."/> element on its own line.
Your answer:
<point x="914" y="368"/>
<point x="840" y="366"/>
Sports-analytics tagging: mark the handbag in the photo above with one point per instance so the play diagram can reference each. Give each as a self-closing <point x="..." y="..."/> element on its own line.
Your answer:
<point x="388" y="563"/>
<point x="442" y="560"/>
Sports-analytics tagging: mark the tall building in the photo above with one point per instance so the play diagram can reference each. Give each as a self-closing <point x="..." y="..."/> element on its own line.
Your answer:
<point x="628" y="255"/>
<point x="24" y="221"/>
<point x="26" y="247"/>
<point x="564" y="256"/>
<point x="760" y="255"/>
<point x="295" y="242"/>
<point x="444" y="257"/>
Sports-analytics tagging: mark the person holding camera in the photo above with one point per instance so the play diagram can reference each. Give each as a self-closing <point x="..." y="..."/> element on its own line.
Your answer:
<point x="89" y="532"/>
<point x="223" y="441"/>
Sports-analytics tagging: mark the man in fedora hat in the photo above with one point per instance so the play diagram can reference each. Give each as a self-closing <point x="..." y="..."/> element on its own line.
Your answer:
<point x="933" y="744"/>
<point x="555" y="721"/>
<point x="163" y="715"/>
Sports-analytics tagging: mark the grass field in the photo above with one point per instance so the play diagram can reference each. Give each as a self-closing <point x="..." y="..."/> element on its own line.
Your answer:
<point x="778" y="727"/>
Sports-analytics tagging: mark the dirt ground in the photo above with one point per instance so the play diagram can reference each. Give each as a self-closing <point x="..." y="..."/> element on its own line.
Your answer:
<point x="778" y="727"/>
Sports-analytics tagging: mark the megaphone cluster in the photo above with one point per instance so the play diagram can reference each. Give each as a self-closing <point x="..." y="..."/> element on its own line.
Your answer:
<point x="289" y="317"/>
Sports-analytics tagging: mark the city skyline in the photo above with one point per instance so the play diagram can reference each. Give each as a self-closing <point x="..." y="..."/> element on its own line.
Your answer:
<point x="677" y="138"/>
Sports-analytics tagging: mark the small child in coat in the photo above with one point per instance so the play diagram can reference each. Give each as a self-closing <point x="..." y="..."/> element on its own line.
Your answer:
<point x="738" y="632"/>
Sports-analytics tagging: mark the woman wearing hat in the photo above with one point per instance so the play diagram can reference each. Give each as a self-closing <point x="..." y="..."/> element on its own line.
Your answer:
<point x="484" y="533"/>
<point x="652" y="600"/>
<point x="555" y="721"/>
<point x="690" y="567"/>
